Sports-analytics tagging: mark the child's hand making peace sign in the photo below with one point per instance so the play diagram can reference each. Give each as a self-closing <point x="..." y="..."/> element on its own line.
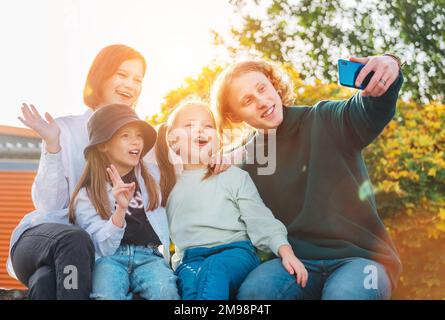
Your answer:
<point x="123" y="193"/>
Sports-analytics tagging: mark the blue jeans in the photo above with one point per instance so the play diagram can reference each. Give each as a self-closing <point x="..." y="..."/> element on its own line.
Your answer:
<point x="334" y="279"/>
<point x="215" y="273"/>
<point x="134" y="269"/>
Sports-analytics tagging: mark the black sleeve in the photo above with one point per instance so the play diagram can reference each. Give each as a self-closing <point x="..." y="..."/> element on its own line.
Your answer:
<point x="359" y="120"/>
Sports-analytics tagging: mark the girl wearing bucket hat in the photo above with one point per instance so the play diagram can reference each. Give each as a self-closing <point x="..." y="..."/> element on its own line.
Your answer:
<point x="44" y="242"/>
<point x="117" y="202"/>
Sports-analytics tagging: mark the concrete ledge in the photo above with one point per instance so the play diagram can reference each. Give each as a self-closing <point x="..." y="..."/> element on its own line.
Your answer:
<point x="13" y="294"/>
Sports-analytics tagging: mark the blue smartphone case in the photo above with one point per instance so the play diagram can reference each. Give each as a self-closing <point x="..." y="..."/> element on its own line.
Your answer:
<point x="348" y="72"/>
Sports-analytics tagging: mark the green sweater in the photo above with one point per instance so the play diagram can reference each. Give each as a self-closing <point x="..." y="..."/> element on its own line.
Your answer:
<point x="222" y="209"/>
<point x="319" y="187"/>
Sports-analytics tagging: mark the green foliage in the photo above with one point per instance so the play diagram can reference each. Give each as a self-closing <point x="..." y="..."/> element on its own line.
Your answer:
<point x="407" y="162"/>
<point x="313" y="34"/>
<point x="198" y="87"/>
<point x="421" y="246"/>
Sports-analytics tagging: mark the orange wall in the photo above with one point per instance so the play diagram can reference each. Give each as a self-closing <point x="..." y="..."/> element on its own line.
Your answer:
<point x="15" y="202"/>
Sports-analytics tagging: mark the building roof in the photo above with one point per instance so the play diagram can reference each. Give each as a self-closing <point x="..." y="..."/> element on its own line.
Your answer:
<point x="19" y="143"/>
<point x="18" y="132"/>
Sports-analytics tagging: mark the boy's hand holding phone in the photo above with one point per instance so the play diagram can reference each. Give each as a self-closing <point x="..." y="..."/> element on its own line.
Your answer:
<point x="372" y="74"/>
<point x="293" y="265"/>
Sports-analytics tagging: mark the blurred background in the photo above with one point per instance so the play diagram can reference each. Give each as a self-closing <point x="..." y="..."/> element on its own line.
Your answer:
<point x="49" y="45"/>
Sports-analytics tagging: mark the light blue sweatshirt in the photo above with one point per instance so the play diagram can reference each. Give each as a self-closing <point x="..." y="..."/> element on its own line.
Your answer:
<point x="219" y="210"/>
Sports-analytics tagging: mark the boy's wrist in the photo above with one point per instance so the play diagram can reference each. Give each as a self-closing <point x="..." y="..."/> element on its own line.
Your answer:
<point x="396" y="58"/>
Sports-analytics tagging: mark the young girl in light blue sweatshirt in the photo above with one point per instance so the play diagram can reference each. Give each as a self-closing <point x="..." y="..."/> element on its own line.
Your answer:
<point x="216" y="221"/>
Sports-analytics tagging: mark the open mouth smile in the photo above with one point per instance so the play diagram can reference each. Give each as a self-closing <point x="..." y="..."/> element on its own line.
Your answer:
<point x="201" y="141"/>
<point x="268" y="112"/>
<point x="135" y="152"/>
<point x="124" y="94"/>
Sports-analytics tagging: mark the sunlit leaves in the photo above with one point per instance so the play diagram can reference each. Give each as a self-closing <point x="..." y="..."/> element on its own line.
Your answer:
<point x="311" y="35"/>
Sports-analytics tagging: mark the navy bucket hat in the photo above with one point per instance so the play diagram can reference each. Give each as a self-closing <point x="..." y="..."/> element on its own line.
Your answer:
<point x="105" y="121"/>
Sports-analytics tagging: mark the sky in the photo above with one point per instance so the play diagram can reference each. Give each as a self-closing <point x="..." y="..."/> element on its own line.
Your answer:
<point x="49" y="45"/>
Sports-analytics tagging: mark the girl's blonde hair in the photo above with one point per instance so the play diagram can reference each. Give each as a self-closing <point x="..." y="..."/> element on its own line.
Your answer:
<point x="95" y="177"/>
<point x="163" y="150"/>
<point x="225" y="120"/>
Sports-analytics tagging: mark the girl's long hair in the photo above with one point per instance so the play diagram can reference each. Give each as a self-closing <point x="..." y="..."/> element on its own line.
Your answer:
<point x="163" y="151"/>
<point x="166" y="167"/>
<point x="95" y="180"/>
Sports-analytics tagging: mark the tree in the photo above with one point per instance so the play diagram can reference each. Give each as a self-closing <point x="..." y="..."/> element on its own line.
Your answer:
<point x="198" y="87"/>
<point x="313" y="34"/>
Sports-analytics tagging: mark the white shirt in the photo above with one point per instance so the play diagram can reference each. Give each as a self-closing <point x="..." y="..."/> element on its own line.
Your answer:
<point x="105" y="235"/>
<point x="56" y="177"/>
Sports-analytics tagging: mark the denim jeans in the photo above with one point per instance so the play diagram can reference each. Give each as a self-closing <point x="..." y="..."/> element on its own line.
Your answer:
<point x="134" y="269"/>
<point x="215" y="273"/>
<point x="334" y="279"/>
<point x="41" y="256"/>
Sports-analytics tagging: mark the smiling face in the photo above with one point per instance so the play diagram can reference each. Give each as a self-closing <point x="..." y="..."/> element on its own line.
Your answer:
<point x="125" y="85"/>
<point x="125" y="147"/>
<point x="193" y="136"/>
<point x="254" y="100"/>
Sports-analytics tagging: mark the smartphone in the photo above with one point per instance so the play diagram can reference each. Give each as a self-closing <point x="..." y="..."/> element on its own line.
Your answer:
<point x="348" y="72"/>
